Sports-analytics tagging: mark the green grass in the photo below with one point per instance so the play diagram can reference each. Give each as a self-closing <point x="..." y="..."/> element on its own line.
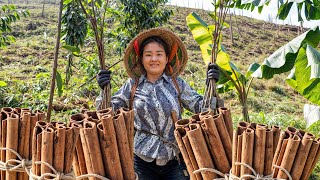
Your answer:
<point x="26" y="66"/>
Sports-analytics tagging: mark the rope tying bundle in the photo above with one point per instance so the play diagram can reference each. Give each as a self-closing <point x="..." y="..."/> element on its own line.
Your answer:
<point x="214" y="171"/>
<point x="17" y="165"/>
<point x="257" y="176"/>
<point x="55" y="175"/>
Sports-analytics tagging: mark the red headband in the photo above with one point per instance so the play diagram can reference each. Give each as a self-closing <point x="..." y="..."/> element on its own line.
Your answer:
<point x="136" y="47"/>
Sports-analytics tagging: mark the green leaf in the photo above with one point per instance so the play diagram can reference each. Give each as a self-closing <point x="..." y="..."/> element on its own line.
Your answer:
<point x="284" y="58"/>
<point x="284" y="10"/>
<point x="3" y="84"/>
<point x="201" y="33"/>
<point x="73" y="49"/>
<point x="308" y="88"/>
<point x="313" y="57"/>
<point x="291" y="79"/>
<point x="252" y="68"/>
<point x="59" y="84"/>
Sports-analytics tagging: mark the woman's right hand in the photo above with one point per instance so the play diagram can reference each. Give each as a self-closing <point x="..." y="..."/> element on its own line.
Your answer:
<point x="103" y="78"/>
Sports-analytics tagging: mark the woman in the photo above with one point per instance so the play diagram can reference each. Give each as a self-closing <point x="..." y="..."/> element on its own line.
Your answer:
<point x="153" y="60"/>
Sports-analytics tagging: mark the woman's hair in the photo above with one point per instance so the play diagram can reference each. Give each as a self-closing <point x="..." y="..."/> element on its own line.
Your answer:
<point x="156" y="39"/>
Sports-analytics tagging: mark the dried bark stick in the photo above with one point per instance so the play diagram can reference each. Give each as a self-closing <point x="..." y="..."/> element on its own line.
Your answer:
<point x="24" y="136"/>
<point x="302" y="155"/>
<point x="12" y="142"/>
<point x="109" y="147"/>
<point x="200" y="150"/>
<point x="224" y="135"/>
<point x="227" y="119"/>
<point x="47" y="149"/>
<point x="178" y="133"/>
<point x="312" y="154"/>
<point x="215" y="145"/>
<point x="289" y="155"/>
<point x="191" y="155"/>
<point x="123" y="147"/>
<point x="276" y="135"/>
<point x="259" y="148"/>
<point x="72" y="136"/>
<point x="247" y="151"/>
<point x="59" y="147"/>
<point x="268" y="152"/>
<point x="91" y="149"/>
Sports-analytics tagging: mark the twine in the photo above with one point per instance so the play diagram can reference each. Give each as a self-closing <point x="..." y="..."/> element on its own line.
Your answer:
<point x="254" y="176"/>
<point x="55" y="175"/>
<point x="98" y="176"/>
<point x="284" y="170"/>
<point x="17" y="165"/>
<point x="214" y="171"/>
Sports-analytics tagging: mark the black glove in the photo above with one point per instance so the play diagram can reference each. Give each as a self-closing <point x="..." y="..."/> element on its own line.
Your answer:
<point x="103" y="78"/>
<point x="213" y="72"/>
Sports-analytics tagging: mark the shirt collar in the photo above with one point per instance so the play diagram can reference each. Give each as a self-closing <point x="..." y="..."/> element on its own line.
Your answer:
<point x="144" y="78"/>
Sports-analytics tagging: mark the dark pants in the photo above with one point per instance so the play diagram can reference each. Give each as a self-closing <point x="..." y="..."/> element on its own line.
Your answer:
<point x="151" y="171"/>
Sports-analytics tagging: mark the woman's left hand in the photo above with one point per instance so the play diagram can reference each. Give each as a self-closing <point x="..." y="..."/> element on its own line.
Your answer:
<point x="213" y="72"/>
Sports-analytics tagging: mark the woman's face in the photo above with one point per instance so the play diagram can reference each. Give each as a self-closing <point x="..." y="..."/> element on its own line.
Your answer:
<point x="154" y="59"/>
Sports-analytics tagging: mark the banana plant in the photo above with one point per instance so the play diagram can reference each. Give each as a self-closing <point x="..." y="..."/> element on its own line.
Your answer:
<point x="302" y="58"/>
<point x="232" y="78"/>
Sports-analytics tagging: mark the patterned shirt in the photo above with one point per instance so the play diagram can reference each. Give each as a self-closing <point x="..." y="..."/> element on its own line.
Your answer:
<point x="152" y="104"/>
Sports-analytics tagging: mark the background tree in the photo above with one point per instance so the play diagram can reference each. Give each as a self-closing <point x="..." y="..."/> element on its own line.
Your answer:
<point x="74" y="31"/>
<point x="8" y="15"/>
<point x="137" y="16"/>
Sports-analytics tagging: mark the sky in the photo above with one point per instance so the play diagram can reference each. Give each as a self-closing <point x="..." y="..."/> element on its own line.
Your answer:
<point x="268" y="13"/>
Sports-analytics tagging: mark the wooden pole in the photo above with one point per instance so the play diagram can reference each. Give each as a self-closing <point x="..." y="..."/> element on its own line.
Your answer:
<point x="55" y="64"/>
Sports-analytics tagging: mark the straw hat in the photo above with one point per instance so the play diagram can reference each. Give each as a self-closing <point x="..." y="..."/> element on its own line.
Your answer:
<point x="177" y="58"/>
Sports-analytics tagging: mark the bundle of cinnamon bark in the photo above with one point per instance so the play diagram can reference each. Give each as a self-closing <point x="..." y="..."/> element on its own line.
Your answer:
<point x="16" y="127"/>
<point x="297" y="152"/>
<point x="53" y="144"/>
<point x="254" y="145"/>
<point x="205" y="141"/>
<point x="105" y="146"/>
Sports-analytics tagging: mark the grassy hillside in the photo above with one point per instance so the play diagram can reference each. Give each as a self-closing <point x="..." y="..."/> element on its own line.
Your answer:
<point x="26" y="66"/>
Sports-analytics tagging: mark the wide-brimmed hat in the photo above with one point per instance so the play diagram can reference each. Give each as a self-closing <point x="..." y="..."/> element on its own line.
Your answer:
<point x="177" y="58"/>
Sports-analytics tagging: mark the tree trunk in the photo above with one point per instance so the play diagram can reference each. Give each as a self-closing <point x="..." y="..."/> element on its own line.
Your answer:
<point x="44" y="2"/>
<point x="245" y="112"/>
<point x="55" y="63"/>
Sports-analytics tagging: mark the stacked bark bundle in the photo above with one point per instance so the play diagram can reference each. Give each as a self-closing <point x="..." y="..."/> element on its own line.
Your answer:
<point x="297" y="152"/>
<point x="105" y="147"/>
<point x="16" y="127"/>
<point x="254" y="145"/>
<point x="53" y="143"/>
<point x="205" y="141"/>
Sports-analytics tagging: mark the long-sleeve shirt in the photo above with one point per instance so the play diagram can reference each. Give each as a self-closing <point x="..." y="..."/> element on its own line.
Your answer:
<point x="153" y="104"/>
